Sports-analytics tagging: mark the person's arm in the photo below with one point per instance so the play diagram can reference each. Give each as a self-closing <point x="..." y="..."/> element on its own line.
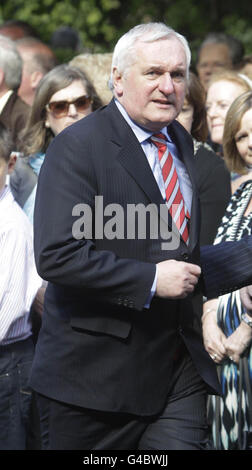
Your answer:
<point x="22" y="181"/>
<point x="213" y="180"/>
<point x="213" y="337"/>
<point x="38" y="303"/>
<point x="19" y="281"/>
<point x="226" y="266"/>
<point x="246" y="298"/>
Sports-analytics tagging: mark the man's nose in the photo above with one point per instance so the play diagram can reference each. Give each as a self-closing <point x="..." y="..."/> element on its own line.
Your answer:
<point x="208" y="70"/>
<point x="166" y="84"/>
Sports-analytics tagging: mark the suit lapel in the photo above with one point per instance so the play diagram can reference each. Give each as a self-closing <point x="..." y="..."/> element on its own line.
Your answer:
<point x="133" y="159"/>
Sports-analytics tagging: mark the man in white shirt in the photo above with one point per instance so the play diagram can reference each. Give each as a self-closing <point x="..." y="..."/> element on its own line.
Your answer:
<point x="19" y="283"/>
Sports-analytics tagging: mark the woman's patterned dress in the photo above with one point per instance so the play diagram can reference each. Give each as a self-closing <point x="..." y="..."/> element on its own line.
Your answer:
<point x="230" y="415"/>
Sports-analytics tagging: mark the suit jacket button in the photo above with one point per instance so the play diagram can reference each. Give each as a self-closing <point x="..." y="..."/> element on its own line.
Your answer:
<point x="185" y="256"/>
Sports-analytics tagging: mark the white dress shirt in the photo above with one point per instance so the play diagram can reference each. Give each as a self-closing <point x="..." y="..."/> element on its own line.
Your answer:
<point x="19" y="281"/>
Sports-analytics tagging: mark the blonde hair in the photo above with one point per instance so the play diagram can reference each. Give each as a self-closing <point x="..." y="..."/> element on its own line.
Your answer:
<point x="233" y="77"/>
<point x="97" y="67"/>
<point x="233" y="119"/>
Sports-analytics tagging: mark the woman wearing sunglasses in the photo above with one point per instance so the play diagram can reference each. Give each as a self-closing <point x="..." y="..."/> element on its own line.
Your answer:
<point x="63" y="96"/>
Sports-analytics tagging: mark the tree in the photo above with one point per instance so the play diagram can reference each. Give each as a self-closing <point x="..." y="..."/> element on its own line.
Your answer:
<point x="101" y="22"/>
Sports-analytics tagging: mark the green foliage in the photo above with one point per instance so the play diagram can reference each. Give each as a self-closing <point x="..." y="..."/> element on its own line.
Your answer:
<point x="240" y="28"/>
<point x="101" y="22"/>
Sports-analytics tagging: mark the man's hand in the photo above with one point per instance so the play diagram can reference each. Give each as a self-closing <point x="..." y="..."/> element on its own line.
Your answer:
<point x="176" y="279"/>
<point x="246" y="298"/>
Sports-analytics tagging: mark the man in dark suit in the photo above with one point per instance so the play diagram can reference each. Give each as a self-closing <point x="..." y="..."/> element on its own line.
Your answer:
<point x="119" y="360"/>
<point x="13" y="110"/>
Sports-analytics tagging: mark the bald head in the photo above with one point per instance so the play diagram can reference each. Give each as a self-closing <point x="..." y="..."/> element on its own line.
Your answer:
<point x="38" y="59"/>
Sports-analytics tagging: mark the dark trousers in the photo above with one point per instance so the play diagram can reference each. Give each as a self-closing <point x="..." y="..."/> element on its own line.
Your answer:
<point x="16" y="397"/>
<point x="181" y="426"/>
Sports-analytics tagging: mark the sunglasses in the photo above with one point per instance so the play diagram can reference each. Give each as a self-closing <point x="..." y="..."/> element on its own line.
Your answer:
<point x="61" y="108"/>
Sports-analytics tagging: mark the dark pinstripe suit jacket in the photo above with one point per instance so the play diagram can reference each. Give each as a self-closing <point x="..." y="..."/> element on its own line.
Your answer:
<point x="227" y="266"/>
<point x="99" y="347"/>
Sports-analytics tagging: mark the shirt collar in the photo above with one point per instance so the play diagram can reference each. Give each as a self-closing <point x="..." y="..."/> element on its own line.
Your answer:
<point x="4" y="99"/>
<point x="140" y="133"/>
<point x="6" y="194"/>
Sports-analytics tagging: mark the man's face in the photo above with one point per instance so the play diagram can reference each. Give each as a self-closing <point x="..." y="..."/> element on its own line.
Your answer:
<point x="152" y="89"/>
<point x="213" y="58"/>
<point x="26" y="90"/>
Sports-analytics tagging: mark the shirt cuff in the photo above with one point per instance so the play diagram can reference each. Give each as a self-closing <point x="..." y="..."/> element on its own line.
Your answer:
<point x="152" y="292"/>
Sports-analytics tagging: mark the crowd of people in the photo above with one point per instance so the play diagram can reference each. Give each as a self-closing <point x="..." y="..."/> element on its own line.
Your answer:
<point x="114" y="342"/>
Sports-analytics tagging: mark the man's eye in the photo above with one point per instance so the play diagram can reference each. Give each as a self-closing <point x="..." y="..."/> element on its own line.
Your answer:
<point x="178" y="75"/>
<point x="152" y="73"/>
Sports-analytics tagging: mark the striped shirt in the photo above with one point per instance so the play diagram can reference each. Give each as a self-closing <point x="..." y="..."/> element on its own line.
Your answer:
<point x="19" y="281"/>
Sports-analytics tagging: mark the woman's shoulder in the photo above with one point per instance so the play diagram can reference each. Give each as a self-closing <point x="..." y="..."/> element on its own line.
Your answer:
<point x="201" y="147"/>
<point x="205" y="154"/>
<point x="241" y="182"/>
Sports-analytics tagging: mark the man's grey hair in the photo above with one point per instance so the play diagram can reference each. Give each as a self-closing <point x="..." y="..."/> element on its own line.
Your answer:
<point x="10" y="63"/>
<point x="124" y="52"/>
<point x="234" y="45"/>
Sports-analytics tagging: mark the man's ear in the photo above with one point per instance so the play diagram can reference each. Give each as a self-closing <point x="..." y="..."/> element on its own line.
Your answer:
<point x="12" y="162"/>
<point x="35" y="79"/>
<point x="1" y="77"/>
<point x="117" y="81"/>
